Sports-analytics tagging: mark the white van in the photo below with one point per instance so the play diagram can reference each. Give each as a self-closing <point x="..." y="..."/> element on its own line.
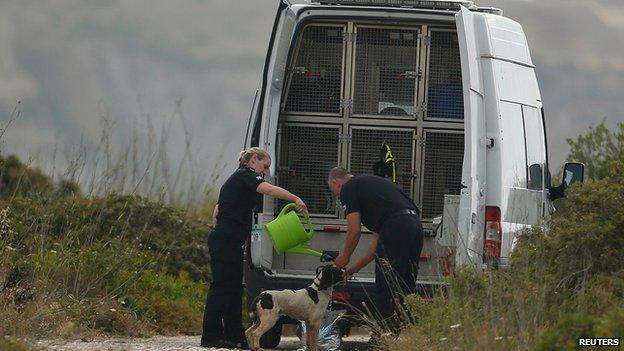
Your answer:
<point x="448" y="85"/>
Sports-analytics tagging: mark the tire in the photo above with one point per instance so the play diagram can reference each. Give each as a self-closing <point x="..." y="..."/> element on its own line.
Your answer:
<point x="272" y="337"/>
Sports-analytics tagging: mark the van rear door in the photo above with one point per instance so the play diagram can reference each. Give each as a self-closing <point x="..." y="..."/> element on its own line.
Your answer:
<point x="261" y="248"/>
<point x="472" y="198"/>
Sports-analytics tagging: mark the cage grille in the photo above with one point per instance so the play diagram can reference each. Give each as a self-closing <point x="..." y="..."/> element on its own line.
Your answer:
<point x="316" y="74"/>
<point x="444" y="154"/>
<point x="307" y="154"/>
<point x="385" y="71"/>
<point x="445" y="96"/>
<point x="365" y="152"/>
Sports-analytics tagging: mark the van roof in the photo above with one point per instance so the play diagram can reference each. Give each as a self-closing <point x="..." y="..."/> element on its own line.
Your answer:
<point x="453" y="5"/>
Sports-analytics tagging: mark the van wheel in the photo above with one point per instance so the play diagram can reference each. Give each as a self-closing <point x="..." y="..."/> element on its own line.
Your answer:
<point x="272" y="337"/>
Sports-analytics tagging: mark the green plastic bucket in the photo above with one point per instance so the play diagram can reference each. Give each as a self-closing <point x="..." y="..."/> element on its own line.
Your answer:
<point x="289" y="234"/>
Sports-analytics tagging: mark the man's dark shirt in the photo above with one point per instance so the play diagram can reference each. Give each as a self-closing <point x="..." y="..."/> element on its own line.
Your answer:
<point x="238" y="196"/>
<point x="375" y="198"/>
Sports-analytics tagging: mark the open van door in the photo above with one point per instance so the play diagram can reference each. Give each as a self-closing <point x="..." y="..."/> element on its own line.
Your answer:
<point x="264" y="115"/>
<point x="472" y="198"/>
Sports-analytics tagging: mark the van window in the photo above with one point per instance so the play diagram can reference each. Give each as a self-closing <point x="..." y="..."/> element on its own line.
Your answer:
<point x="445" y="95"/>
<point x="385" y="71"/>
<point x="316" y="73"/>
<point x="514" y="169"/>
<point x="535" y="147"/>
<point x="535" y="177"/>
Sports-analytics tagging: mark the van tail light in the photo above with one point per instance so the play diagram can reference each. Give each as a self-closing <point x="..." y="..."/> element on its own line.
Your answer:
<point x="341" y="296"/>
<point x="493" y="232"/>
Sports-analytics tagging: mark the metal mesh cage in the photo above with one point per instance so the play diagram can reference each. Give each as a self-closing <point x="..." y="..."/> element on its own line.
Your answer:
<point x="444" y="156"/>
<point x="365" y="149"/>
<point x="316" y="73"/>
<point x="307" y="154"/>
<point x="445" y="95"/>
<point x="385" y="71"/>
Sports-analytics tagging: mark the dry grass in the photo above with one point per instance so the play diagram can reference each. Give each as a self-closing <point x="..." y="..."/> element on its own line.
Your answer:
<point x="77" y="258"/>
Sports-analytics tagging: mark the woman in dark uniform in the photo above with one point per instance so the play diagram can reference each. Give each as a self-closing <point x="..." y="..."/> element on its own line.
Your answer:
<point x="232" y="217"/>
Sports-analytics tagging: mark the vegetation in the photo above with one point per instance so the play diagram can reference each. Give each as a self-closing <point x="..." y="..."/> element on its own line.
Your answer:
<point x="566" y="278"/>
<point x="597" y="149"/>
<point x="115" y="264"/>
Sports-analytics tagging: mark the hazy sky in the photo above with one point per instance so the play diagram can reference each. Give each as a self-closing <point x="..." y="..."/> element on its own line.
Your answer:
<point x="81" y="66"/>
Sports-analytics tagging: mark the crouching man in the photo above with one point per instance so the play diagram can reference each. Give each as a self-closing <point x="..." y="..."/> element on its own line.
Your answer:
<point x="393" y="217"/>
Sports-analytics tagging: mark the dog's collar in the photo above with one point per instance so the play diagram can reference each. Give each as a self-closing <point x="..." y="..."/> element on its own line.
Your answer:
<point x="314" y="283"/>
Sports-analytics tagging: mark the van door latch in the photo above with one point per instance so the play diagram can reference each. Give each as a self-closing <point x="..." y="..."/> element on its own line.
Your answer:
<point x="488" y="142"/>
<point x="410" y="75"/>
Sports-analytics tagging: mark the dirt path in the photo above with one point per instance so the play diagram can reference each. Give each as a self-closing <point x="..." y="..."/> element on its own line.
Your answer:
<point x="162" y="343"/>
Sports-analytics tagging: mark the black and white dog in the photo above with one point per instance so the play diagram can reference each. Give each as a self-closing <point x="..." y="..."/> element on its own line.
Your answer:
<point x="306" y="305"/>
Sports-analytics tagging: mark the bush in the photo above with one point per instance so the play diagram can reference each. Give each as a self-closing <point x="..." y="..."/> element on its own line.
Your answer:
<point x="564" y="283"/>
<point x="118" y="265"/>
<point x="176" y="241"/>
<point x="17" y="179"/>
<point x="7" y="344"/>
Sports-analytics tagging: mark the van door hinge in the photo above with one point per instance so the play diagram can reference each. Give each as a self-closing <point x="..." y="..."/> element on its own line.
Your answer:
<point x="420" y="110"/>
<point x="349" y="37"/>
<point x="299" y="70"/>
<point x="346" y="103"/>
<point x="426" y="39"/>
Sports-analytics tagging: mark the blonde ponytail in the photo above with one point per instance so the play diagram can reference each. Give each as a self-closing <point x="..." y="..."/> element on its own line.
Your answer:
<point x="246" y="155"/>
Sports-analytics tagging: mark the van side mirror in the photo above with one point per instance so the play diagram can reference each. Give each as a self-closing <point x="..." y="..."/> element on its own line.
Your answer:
<point x="573" y="172"/>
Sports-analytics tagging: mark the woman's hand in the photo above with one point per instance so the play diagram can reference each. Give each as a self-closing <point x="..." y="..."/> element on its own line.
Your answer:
<point x="301" y="206"/>
<point x="215" y="214"/>
<point x="283" y="194"/>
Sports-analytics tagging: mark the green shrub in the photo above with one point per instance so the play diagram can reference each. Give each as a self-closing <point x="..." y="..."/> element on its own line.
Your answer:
<point x="565" y="282"/>
<point x="18" y="179"/>
<point x="116" y="265"/>
<point x="70" y="223"/>
<point x="8" y="344"/>
<point x="568" y="329"/>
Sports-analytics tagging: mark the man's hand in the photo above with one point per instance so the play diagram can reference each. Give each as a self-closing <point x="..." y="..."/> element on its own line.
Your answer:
<point x="351" y="270"/>
<point x="341" y="261"/>
<point x="366" y="259"/>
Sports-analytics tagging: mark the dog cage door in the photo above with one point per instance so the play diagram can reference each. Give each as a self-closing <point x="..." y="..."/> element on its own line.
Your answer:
<point x="315" y="75"/>
<point x="385" y="72"/>
<point x="306" y="155"/>
<point x="365" y="148"/>
<point x="444" y="94"/>
<point x="443" y="155"/>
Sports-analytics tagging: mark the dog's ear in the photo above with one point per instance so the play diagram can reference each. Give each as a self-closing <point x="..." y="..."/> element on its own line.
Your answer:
<point x="326" y="277"/>
<point x="318" y="269"/>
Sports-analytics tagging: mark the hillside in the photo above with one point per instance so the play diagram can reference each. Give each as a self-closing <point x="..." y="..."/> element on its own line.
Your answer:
<point x="78" y="65"/>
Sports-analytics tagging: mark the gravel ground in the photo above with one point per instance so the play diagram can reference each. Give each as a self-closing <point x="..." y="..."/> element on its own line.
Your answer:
<point x="162" y="343"/>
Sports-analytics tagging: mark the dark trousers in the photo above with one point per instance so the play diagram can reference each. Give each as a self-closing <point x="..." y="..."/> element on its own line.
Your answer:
<point x="224" y="305"/>
<point x="396" y="269"/>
